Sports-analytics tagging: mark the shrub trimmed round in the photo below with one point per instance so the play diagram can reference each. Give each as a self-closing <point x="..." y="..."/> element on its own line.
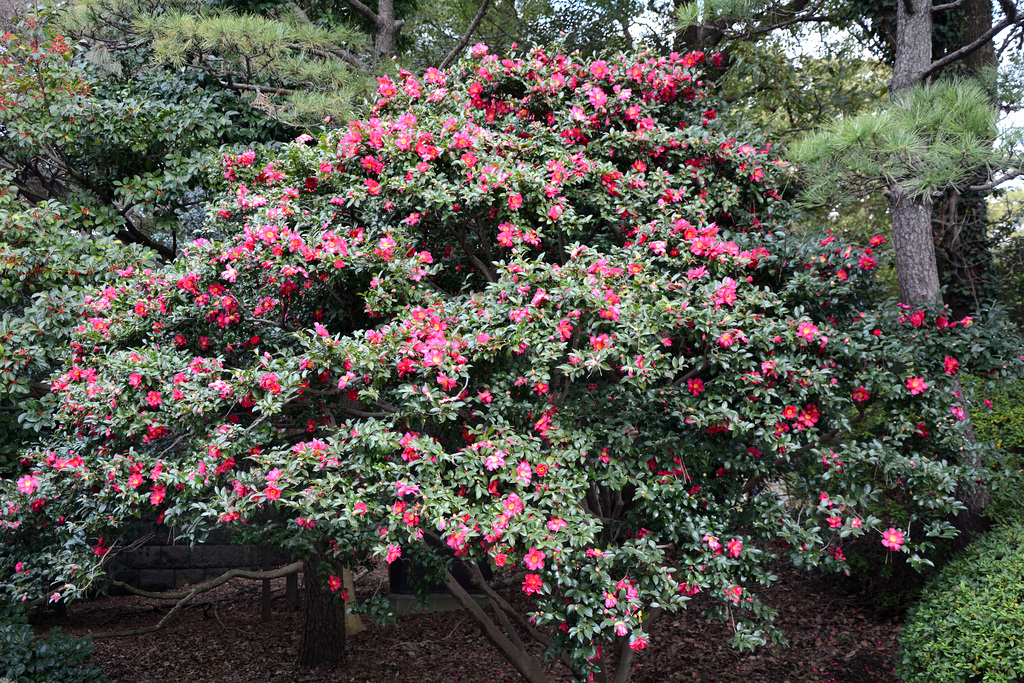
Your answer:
<point x="969" y="622"/>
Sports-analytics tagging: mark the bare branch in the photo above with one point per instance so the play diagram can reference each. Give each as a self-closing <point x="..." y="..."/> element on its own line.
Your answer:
<point x="1012" y="18"/>
<point x="464" y="40"/>
<point x="257" y="88"/>
<point x="185" y="598"/>
<point x="998" y="181"/>
<point x="364" y="10"/>
<point x="948" y="5"/>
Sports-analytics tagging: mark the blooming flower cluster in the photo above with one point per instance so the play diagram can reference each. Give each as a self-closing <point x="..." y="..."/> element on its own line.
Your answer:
<point x="536" y="313"/>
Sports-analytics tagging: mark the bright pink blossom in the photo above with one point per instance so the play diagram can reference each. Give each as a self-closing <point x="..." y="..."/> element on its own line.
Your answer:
<point x="916" y="385"/>
<point x="892" y="539"/>
<point x="534" y="559"/>
<point x="28" y="484"/>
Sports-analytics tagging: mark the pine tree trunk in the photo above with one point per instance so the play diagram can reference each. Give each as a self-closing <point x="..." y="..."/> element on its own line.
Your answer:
<point x="323" y="632"/>
<point x="386" y="29"/>
<point x="913" y="241"/>
<point x="914" y="247"/>
<point x="913" y="44"/>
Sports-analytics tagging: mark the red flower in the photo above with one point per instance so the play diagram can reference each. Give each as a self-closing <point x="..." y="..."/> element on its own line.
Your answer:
<point x="532" y="584"/>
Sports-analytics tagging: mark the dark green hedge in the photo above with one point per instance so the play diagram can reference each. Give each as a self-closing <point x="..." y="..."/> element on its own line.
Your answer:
<point x="969" y="622"/>
<point x="27" y="658"/>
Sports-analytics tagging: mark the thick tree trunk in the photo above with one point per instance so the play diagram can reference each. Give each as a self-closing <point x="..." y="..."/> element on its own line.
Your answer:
<point x="914" y="246"/>
<point x="913" y="241"/>
<point x="386" y="29"/>
<point x="323" y="632"/>
<point x="913" y="44"/>
<point x="977" y="20"/>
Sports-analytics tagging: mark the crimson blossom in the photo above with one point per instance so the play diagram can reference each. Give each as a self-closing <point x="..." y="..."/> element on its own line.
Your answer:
<point x="537" y="313"/>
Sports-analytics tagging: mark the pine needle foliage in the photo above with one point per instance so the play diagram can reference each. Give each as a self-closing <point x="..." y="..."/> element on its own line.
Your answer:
<point x="928" y="139"/>
<point x="297" y="71"/>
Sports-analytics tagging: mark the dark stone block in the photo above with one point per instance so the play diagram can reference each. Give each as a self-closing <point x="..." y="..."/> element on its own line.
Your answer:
<point x="175" y="556"/>
<point x="184" y="577"/>
<point x="146" y="557"/>
<point x="218" y="536"/>
<point x="129" y="576"/>
<point x="156" y="579"/>
<point x="212" y="556"/>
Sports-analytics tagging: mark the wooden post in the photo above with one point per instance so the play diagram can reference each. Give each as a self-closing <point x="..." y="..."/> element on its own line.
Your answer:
<point x="265" y="596"/>
<point x="291" y="590"/>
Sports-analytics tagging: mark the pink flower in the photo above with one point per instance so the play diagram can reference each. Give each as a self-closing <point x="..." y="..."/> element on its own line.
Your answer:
<point x="734" y="547"/>
<point x="726" y="293"/>
<point x="733" y="593"/>
<point x="154" y="399"/>
<point x="532" y="584"/>
<point x="555" y="212"/>
<point x="916" y="385"/>
<point x="958" y="412"/>
<point x="860" y="394"/>
<point x="157" y="496"/>
<point x="892" y="539"/>
<point x="599" y="342"/>
<point x="359" y="508"/>
<point x="951" y="365"/>
<point x="599" y="69"/>
<point x="695" y="386"/>
<point x="807" y="331"/>
<point x="394" y="552"/>
<point x="515" y="201"/>
<point x="524" y="473"/>
<point x="534" y="559"/>
<point x="272" y="492"/>
<point x="334" y="583"/>
<point x="556" y="524"/>
<point x="713" y="543"/>
<point x="834" y="521"/>
<point x="494" y="461"/>
<point x="597" y="97"/>
<point x="28" y="484"/>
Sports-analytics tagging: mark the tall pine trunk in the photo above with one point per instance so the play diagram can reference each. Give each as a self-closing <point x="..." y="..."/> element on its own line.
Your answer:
<point x="913" y="241"/>
<point x="323" y="632"/>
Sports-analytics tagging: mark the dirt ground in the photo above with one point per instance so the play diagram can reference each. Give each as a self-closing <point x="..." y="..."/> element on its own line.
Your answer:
<point x="836" y="635"/>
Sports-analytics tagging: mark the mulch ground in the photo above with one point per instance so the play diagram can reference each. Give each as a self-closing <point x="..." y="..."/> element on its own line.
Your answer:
<point x="836" y="635"/>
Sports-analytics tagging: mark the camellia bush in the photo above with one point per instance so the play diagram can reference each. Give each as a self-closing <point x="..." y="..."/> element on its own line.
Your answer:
<point x="537" y="314"/>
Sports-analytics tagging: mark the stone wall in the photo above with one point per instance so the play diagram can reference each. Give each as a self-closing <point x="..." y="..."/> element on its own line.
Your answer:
<point x="164" y="562"/>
